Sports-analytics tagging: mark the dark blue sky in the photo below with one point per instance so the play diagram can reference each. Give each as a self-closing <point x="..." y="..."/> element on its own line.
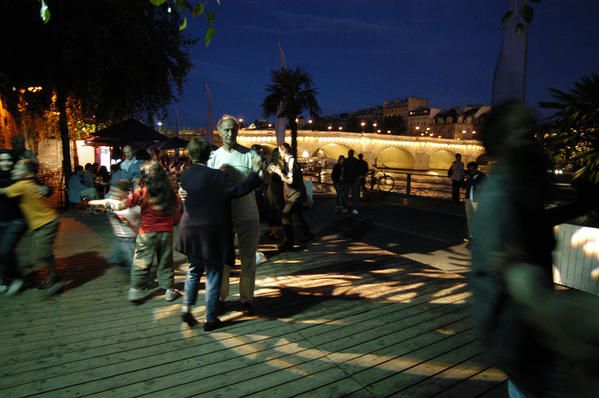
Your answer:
<point x="363" y="52"/>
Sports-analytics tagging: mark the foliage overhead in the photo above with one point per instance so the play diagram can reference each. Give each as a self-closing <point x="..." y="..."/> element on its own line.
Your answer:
<point x="117" y="58"/>
<point x="182" y="7"/>
<point x="572" y="132"/>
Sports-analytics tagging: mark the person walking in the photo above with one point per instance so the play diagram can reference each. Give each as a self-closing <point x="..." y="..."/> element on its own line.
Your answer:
<point x="205" y="231"/>
<point x="456" y="174"/>
<point x="12" y="228"/>
<point x="339" y="185"/>
<point x="546" y="342"/>
<point x="351" y="172"/>
<point x="236" y="160"/>
<point x="362" y="172"/>
<point x="473" y="182"/>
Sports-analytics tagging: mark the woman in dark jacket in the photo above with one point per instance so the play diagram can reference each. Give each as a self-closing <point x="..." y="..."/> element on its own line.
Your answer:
<point x="205" y="231"/>
<point x="274" y="196"/>
<point x="294" y="194"/>
<point x="12" y="228"/>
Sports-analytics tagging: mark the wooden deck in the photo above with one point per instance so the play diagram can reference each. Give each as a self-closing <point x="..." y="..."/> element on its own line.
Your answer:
<point x="340" y="318"/>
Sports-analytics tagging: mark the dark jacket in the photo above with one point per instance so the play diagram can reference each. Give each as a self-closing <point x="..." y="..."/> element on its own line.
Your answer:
<point x="337" y="174"/>
<point x="473" y="183"/>
<point x="9" y="207"/>
<point x="351" y="170"/>
<point x="205" y="230"/>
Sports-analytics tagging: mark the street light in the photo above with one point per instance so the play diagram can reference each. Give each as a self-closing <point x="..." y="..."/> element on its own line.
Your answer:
<point x="340" y="128"/>
<point x="330" y="127"/>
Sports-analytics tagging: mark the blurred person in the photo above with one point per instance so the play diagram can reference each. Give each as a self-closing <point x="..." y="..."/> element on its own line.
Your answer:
<point x="351" y="183"/>
<point x="205" y="233"/>
<point x="337" y="177"/>
<point x="131" y="165"/>
<point x="474" y="179"/>
<point x="274" y="196"/>
<point x="236" y="160"/>
<point x="103" y="174"/>
<point x="89" y="175"/>
<point x="42" y="220"/>
<point x="124" y="223"/>
<point x="12" y="228"/>
<point x="158" y="202"/>
<point x="116" y="174"/>
<point x="456" y="174"/>
<point x="19" y="151"/>
<point x="546" y="342"/>
<point x="363" y="172"/>
<point x="294" y="196"/>
<point x="77" y="190"/>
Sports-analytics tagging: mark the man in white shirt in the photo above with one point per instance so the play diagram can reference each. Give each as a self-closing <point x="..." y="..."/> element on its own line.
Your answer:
<point x="236" y="160"/>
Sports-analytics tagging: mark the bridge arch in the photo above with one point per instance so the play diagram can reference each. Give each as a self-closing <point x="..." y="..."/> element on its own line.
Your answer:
<point x="331" y="151"/>
<point x="395" y="158"/>
<point x="441" y="160"/>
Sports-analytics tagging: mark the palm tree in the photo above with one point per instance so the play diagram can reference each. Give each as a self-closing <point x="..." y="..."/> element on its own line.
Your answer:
<point x="291" y="92"/>
<point x="572" y="132"/>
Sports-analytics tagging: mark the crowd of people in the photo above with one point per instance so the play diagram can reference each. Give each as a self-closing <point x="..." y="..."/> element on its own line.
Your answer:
<point x="349" y="179"/>
<point x="213" y="191"/>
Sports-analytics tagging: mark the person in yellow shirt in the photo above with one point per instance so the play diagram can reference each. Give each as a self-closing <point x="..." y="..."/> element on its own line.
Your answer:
<point x="42" y="220"/>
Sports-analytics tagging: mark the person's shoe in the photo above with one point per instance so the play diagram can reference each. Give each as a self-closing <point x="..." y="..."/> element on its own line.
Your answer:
<point x="171" y="295"/>
<point x="261" y="258"/>
<point x="135" y="295"/>
<point x="189" y="319"/>
<point x="210" y="326"/>
<point x="286" y="246"/>
<point x="248" y="309"/>
<point x="221" y="307"/>
<point x="354" y="211"/>
<point x="53" y="286"/>
<point x="3" y="289"/>
<point x="14" y="287"/>
<point x="345" y="211"/>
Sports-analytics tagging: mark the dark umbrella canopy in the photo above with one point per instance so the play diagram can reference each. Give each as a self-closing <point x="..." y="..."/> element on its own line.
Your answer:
<point x="171" y="143"/>
<point x="128" y="131"/>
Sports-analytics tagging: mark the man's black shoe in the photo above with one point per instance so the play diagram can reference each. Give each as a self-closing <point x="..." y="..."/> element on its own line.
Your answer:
<point x="189" y="319"/>
<point x="248" y="309"/>
<point x="210" y="326"/>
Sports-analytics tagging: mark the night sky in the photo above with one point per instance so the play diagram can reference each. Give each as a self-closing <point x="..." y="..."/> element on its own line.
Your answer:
<point x="360" y="53"/>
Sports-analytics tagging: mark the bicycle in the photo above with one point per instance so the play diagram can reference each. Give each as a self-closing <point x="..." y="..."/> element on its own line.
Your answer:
<point x="383" y="181"/>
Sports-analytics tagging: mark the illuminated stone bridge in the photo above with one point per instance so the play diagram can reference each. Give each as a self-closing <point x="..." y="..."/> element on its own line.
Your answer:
<point x="400" y="152"/>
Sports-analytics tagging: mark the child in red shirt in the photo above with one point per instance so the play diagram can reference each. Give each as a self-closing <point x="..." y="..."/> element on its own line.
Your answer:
<point x="157" y="200"/>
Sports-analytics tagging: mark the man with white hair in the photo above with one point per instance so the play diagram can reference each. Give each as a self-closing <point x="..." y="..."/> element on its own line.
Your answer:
<point x="236" y="160"/>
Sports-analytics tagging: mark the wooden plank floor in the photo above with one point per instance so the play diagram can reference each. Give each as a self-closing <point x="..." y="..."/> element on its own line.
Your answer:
<point x="338" y="318"/>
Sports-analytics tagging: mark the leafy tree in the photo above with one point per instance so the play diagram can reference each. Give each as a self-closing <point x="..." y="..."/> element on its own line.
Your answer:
<point x="572" y="132"/>
<point x="114" y="59"/>
<point x="181" y="7"/>
<point x="290" y="93"/>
